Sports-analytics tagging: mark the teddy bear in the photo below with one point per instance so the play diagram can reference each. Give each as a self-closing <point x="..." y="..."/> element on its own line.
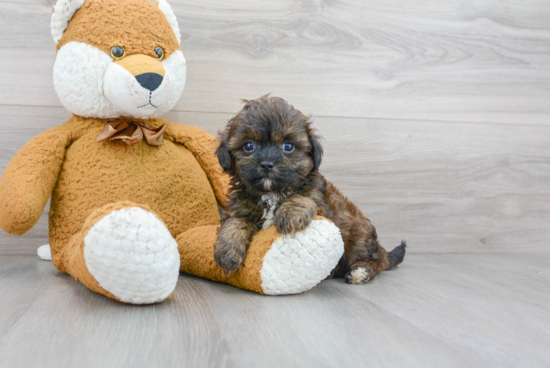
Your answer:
<point x="134" y="198"/>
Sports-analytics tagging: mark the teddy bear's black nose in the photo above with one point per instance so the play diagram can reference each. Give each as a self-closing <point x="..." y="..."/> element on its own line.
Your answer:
<point x="151" y="81"/>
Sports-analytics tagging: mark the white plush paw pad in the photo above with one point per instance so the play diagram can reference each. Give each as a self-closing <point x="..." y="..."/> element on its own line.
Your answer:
<point x="131" y="254"/>
<point x="296" y="264"/>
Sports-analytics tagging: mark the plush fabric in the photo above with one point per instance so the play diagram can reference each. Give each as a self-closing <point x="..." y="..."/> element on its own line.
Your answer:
<point x="82" y="84"/>
<point x="144" y="265"/>
<point x="288" y="265"/>
<point x="124" y="216"/>
<point x="137" y="25"/>
<point x="63" y="11"/>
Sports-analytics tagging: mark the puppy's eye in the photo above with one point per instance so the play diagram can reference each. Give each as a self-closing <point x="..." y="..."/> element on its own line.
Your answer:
<point x="288" y="147"/>
<point x="160" y="52"/>
<point x="249" y="147"/>
<point x="117" y="52"/>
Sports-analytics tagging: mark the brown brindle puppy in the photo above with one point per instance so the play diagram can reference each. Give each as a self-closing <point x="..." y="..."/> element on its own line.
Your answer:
<point x="273" y="157"/>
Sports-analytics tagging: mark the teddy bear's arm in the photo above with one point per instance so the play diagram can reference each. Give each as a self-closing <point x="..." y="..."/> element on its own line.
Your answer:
<point x="29" y="179"/>
<point x="203" y="146"/>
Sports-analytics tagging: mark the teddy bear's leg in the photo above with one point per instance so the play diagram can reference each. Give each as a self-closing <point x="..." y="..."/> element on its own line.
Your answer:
<point x="275" y="264"/>
<point x="125" y="252"/>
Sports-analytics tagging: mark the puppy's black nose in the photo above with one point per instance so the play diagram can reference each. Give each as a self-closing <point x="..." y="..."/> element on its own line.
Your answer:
<point x="151" y="81"/>
<point x="267" y="165"/>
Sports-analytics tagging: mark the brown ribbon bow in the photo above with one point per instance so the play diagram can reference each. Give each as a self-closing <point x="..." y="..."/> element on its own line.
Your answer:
<point x="131" y="132"/>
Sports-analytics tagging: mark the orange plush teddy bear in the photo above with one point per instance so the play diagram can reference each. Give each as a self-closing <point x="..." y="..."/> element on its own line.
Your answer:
<point x="135" y="197"/>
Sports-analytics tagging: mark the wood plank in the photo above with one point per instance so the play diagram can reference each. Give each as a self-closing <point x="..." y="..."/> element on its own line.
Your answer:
<point x="485" y="305"/>
<point x="433" y="311"/>
<point x="425" y="60"/>
<point x="445" y="187"/>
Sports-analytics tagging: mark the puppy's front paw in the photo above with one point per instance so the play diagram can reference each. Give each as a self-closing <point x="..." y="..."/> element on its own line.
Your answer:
<point x="359" y="275"/>
<point x="229" y="259"/>
<point x="293" y="217"/>
<point x="233" y="239"/>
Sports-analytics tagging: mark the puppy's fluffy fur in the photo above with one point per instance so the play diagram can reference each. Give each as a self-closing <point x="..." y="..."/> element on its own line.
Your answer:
<point x="273" y="156"/>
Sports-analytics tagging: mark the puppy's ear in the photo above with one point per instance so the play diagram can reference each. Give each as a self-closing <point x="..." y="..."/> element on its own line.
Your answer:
<point x="224" y="156"/>
<point x="315" y="149"/>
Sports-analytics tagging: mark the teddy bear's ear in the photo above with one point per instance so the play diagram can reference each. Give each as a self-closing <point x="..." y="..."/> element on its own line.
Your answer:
<point x="171" y="17"/>
<point x="63" y="11"/>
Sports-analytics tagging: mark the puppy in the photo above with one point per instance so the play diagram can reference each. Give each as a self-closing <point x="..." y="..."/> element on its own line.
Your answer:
<point x="273" y="156"/>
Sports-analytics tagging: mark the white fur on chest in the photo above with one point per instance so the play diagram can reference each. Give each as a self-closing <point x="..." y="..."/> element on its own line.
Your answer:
<point x="271" y="200"/>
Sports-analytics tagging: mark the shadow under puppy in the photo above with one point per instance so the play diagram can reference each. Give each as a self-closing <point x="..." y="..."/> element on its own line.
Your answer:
<point x="273" y="155"/>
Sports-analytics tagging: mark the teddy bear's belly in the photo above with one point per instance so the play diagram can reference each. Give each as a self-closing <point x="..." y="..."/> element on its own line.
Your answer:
<point x="167" y="178"/>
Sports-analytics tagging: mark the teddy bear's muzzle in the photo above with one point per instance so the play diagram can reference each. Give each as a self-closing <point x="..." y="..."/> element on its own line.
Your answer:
<point x="138" y="85"/>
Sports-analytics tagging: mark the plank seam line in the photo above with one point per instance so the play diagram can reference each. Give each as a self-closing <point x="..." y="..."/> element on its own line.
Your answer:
<point x="337" y="117"/>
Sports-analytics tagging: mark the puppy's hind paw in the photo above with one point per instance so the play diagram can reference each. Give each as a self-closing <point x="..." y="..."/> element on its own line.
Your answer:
<point x="229" y="260"/>
<point x="359" y="275"/>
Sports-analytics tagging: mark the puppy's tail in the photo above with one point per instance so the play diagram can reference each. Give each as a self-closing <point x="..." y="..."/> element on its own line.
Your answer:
<point x="397" y="255"/>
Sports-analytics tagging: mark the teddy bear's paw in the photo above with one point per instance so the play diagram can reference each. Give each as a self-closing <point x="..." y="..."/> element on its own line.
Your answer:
<point x="295" y="264"/>
<point x="132" y="255"/>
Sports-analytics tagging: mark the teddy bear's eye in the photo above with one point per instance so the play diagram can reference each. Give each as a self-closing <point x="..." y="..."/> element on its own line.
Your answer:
<point x="160" y="52"/>
<point x="117" y="52"/>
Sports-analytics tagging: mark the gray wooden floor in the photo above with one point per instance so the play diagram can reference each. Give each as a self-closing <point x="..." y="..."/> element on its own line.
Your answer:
<point x="458" y="310"/>
<point x="436" y="118"/>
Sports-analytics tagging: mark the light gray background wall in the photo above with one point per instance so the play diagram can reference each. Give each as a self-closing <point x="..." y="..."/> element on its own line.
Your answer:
<point x="435" y="113"/>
